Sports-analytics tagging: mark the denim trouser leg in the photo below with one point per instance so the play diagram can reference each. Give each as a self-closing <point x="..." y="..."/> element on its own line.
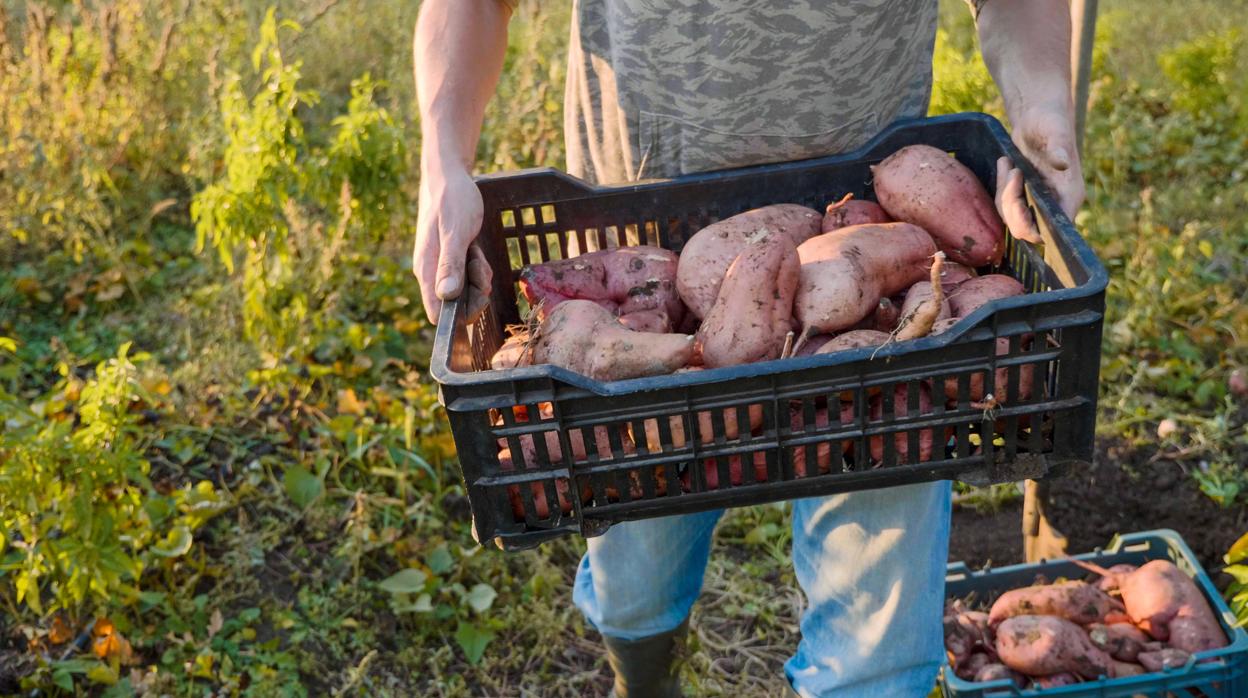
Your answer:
<point x="640" y="578"/>
<point x="872" y="565"/>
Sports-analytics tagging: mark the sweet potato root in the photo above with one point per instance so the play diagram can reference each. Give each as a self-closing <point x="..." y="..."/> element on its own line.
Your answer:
<point x="901" y="440"/>
<point x="854" y="339"/>
<point x="1046" y="645"/>
<point x="754" y="309"/>
<point x="655" y="320"/>
<point x="845" y="273"/>
<point x="514" y="353"/>
<point x="1122" y="641"/>
<point x="582" y="336"/>
<point x="706" y="256"/>
<point x="850" y="211"/>
<point x="973" y="293"/>
<point x="623" y="280"/>
<point x="997" y="671"/>
<point x="925" y="304"/>
<point x="926" y="186"/>
<point x="1075" y="601"/>
<point x="1160" y="660"/>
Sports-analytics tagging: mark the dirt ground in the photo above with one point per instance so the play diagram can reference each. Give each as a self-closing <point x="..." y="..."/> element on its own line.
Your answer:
<point x="1123" y="492"/>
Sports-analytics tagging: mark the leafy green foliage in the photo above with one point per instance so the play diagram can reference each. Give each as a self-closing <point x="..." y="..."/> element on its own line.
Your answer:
<point x="80" y="519"/>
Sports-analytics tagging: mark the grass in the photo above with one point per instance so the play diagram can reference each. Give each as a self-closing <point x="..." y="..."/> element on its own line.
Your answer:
<point x="343" y="563"/>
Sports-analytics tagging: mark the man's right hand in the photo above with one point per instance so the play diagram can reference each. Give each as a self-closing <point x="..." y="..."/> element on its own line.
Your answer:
<point x="448" y="221"/>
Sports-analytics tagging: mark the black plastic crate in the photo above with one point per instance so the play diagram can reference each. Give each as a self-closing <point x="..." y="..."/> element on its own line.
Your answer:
<point x="1220" y="673"/>
<point x="538" y="215"/>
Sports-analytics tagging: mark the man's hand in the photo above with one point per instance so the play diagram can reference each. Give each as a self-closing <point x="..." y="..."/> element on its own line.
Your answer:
<point x="448" y="221"/>
<point x="1026" y="45"/>
<point x="1046" y="136"/>
<point x="458" y="52"/>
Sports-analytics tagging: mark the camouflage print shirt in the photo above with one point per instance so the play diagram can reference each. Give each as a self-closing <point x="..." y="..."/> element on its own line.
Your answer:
<point x="659" y="88"/>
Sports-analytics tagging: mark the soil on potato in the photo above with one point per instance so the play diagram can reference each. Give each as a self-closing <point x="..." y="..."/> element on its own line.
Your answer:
<point x="1123" y="492"/>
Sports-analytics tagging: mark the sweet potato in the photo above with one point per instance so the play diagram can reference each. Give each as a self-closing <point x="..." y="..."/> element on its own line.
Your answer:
<point x="925" y="186"/>
<point x="655" y="320"/>
<point x="845" y="273"/>
<point x="925" y="304"/>
<point x="823" y="449"/>
<point x="1165" y="603"/>
<point x="1075" y="601"/>
<point x="582" y="336"/>
<point x="1122" y="669"/>
<point x="1160" y="660"/>
<point x="969" y="669"/>
<point x="997" y="671"/>
<point x="754" y="309"/>
<point x="814" y="344"/>
<point x="623" y="280"/>
<point x="901" y="441"/>
<point x="1109" y="583"/>
<point x="514" y="353"/>
<point x="972" y="293"/>
<point x="706" y="256"/>
<point x="853" y="339"/>
<point x="850" y="211"/>
<point x="954" y="274"/>
<point x="1123" y="641"/>
<point x="1055" y="681"/>
<point x="1001" y="385"/>
<point x="1047" y="645"/>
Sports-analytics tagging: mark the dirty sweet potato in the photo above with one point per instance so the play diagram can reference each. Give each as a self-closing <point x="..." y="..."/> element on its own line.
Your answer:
<point x="1122" y="669"/>
<point x="954" y="274"/>
<point x="973" y="293"/>
<point x="925" y="305"/>
<point x="706" y="256"/>
<point x="582" y="336"/>
<point x="1160" y="660"/>
<point x="1166" y="603"/>
<point x="514" y="353"/>
<point x="1123" y="641"/>
<point x="623" y="280"/>
<point x="1055" y="681"/>
<point x="1046" y="645"/>
<point x="926" y="186"/>
<point x="1075" y="601"/>
<point x="854" y="339"/>
<point x="845" y="273"/>
<point x="850" y="211"/>
<point x="901" y="440"/>
<point x="997" y="671"/>
<point x="969" y="669"/>
<point x="655" y="320"/>
<point x="754" y="309"/>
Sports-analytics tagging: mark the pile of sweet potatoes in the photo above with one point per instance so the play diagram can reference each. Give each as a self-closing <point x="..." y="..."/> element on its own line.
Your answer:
<point x="1126" y="621"/>
<point x="780" y="281"/>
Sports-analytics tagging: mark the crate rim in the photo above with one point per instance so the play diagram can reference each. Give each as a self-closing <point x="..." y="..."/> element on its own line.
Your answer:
<point x="1236" y="634"/>
<point x="1042" y="198"/>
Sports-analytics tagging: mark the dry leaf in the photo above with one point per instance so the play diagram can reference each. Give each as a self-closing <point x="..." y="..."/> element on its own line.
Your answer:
<point x="348" y="403"/>
<point x="60" y="632"/>
<point x="215" y="623"/>
<point x="110" y="293"/>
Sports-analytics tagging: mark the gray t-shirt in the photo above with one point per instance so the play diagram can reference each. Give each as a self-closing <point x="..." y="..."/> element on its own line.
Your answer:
<point x="660" y="88"/>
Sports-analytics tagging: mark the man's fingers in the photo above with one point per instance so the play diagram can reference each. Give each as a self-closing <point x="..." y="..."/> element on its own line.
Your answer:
<point x="425" y="265"/>
<point x="1014" y="209"/>
<point x="452" y="257"/>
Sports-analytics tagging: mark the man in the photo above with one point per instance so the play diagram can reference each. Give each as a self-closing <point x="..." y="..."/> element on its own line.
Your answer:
<point x="661" y="88"/>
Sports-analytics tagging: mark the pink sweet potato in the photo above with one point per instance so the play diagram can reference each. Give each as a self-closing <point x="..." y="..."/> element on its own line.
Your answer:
<point x="1122" y="641"/>
<point x="925" y="304"/>
<point x="1166" y="603"/>
<point x="622" y="280"/>
<point x="1047" y="645"/>
<point x="901" y="440"/>
<point x="850" y="211"/>
<point x="853" y="339"/>
<point x="973" y="293"/>
<point x="1160" y="660"/>
<point x="754" y="309"/>
<point x="1001" y="385"/>
<point x="1055" y="681"/>
<point x="954" y="274"/>
<point x="1122" y="669"/>
<point x="997" y="671"/>
<point x="582" y="336"/>
<point x="925" y="186"/>
<point x="655" y="320"/>
<point x="514" y="353"/>
<point x="706" y="256"/>
<point x="969" y="669"/>
<point x="845" y="273"/>
<point x="1075" y="601"/>
<point x="1109" y="583"/>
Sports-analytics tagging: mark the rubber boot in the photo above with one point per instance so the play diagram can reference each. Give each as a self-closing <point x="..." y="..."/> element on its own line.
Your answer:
<point x="649" y="667"/>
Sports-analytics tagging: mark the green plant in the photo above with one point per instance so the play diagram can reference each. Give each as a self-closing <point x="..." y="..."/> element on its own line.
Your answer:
<point x="80" y="519"/>
<point x="1237" y="566"/>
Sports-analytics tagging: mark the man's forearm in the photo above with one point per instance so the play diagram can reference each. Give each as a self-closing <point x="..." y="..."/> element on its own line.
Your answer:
<point x="1026" y="45"/>
<point x="458" y="52"/>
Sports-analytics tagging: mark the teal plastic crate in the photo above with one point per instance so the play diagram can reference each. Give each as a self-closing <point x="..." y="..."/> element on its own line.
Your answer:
<point x="1221" y="673"/>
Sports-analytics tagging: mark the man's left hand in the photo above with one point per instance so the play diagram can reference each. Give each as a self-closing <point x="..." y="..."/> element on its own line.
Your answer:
<point x="1046" y="136"/>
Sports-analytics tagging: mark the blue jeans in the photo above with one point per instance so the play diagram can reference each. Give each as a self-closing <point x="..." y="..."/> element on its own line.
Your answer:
<point x="872" y="565"/>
